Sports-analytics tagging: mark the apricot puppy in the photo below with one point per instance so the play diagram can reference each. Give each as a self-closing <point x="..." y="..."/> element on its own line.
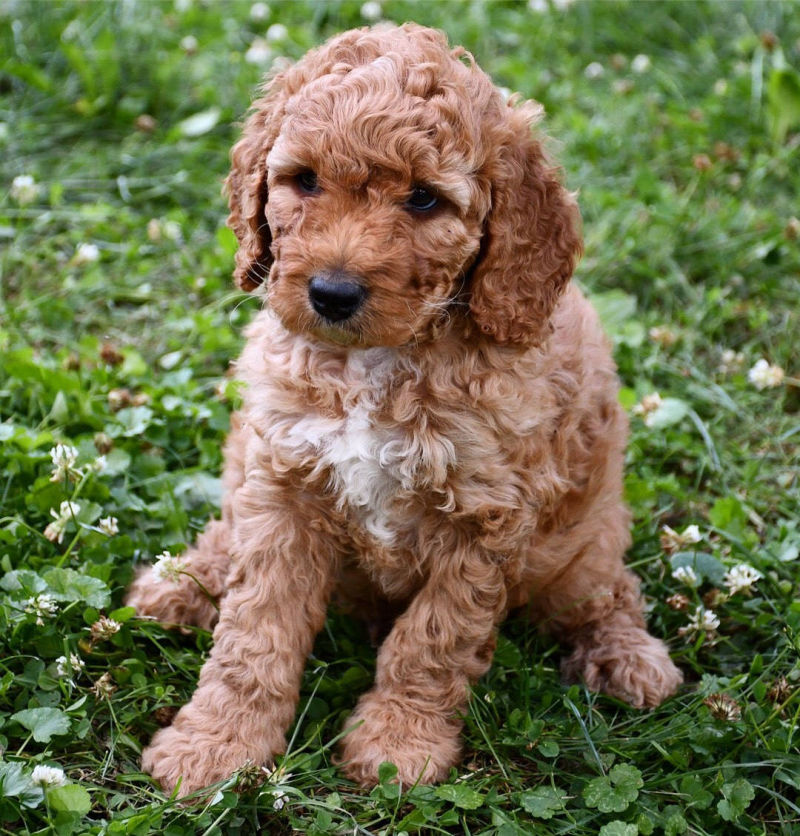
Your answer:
<point x="430" y="432"/>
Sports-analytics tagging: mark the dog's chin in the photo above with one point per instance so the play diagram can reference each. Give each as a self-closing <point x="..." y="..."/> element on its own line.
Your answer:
<point x="333" y="335"/>
<point x="353" y="334"/>
<point x="338" y="336"/>
<point x="348" y="335"/>
<point x="329" y="334"/>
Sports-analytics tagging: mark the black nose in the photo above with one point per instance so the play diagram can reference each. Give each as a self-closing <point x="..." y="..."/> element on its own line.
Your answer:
<point x="335" y="296"/>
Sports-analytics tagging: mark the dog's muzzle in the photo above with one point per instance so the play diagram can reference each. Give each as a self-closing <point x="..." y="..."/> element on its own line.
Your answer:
<point x="336" y="295"/>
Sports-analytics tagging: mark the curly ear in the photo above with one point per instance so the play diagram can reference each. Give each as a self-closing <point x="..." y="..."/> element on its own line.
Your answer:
<point x="246" y="187"/>
<point x="532" y="238"/>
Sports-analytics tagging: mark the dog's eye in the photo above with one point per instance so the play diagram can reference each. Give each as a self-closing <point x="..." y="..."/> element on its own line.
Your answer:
<point x="421" y="200"/>
<point x="307" y="182"/>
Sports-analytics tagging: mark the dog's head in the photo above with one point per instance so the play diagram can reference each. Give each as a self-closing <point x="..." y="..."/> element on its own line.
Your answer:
<point x="383" y="183"/>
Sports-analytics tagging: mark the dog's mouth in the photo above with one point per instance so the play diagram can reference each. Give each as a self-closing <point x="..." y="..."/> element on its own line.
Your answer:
<point x="338" y="335"/>
<point x="344" y="308"/>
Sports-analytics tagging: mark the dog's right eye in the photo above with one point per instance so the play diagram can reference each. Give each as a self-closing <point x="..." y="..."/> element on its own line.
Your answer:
<point x="307" y="182"/>
<point x="421" y="199"/>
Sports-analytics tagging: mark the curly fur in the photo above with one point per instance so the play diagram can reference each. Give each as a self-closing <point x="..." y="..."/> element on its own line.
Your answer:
<point x="451" y="451"/>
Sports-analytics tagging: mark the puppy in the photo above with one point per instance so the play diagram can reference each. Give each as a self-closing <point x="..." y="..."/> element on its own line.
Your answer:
<point x="430" y="433"/>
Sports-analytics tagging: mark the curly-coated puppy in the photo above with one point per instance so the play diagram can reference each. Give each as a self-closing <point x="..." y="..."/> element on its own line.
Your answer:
<point x="430" y="432"/>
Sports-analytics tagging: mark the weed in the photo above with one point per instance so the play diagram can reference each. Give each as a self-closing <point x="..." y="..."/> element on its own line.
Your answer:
<point x="678" y="123"/>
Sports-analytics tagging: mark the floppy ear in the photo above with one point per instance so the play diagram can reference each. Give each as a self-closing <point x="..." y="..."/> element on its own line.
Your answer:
<point x="246" y="188"/>
<point x="531" y="240"/>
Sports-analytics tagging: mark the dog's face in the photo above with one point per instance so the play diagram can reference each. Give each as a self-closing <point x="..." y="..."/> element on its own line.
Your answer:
<point x="381" y="183"/>
<point x="374" y="221"/>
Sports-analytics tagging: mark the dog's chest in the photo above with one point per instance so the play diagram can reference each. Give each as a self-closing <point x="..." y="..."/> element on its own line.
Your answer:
<point x="372" y="464"/>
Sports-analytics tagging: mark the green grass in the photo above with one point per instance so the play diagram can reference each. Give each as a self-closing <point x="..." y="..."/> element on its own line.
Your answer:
<point x="127" y="354"/>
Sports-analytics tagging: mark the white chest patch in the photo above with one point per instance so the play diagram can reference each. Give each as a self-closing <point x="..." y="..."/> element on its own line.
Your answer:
<point x="368" y="464"/>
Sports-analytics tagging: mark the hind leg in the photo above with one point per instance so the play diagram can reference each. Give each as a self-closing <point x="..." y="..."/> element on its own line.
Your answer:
<point x="594" y="605"/>
<point x="193" y="598"/>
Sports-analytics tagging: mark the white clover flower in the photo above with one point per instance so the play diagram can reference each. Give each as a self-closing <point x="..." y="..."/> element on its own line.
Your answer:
<point x="723" y="707"/>
<point x="730" y="361"/>
<point x="99" y="464"/>
<point x="259" y="11"/>
<point x="700" y="621"/>
<point x="706" y="619"/>
<point x="154" y="229"/>
<point x="687" y="575"/>
<point x="68" y="509"/>
<point x="649" y="403"/>
<point x="168" y="567"/>
<point x="259" y="52"/>
<point x="158" y="228"/>
<point x="640" y="64"/>
<point x="663" y="335"/>
<point x="765" y="376"/>
<point x="24" y="189"/>
<point x="48" y="776"/>
<point x="55" y="530"/>
<point x="189" y="44"/>
<point x="371" y="11"/>
<point x="691" y="534"/>
<point x="741" y="578"/>
<point x="73" y="665"/>
<point x="104" y="687"/>
<point x="672" y="541"/>
<point x="43" y="606"/>
<point x="109" y="526"/>
<point x="63" y="457"/>
<point x="172" y="230"/>
<point x="86" y="254"/>
<point x="594" y="70"/>
<point x="104" y="628"/>
<point x="277" y="32"/>
<point x="279" y="778"/>
<point x="539" y="6"/>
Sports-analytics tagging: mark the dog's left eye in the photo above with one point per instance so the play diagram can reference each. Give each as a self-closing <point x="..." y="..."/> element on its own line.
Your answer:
<point x="307" y="182"/>
<point x="421" y="199"/>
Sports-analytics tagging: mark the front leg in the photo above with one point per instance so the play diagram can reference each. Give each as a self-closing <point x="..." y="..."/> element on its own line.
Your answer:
<point x="278" y="590"/>
<point x="440" y="645"/>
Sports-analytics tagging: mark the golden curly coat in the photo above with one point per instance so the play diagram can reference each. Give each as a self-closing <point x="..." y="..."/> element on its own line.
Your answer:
<point x="430" y="433"/>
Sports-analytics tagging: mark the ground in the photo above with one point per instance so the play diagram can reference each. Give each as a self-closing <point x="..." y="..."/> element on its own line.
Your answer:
<point x="678" y="124"/>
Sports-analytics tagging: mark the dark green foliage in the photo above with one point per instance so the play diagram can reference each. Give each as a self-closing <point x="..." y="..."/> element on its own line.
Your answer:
<point x="686" y="159"/>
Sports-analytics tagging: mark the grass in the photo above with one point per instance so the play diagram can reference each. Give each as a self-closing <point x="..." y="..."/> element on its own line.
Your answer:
<point x="686" y="161"/>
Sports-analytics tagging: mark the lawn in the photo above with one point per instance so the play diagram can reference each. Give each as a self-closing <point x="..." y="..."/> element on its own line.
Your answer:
<point x="679" y="125"/>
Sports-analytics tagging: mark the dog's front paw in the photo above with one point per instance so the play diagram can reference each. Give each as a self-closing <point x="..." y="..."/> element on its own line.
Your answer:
<point x="631" y="665"/>
<point x="422" y="745"/>
<point x="195" y="760"/>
